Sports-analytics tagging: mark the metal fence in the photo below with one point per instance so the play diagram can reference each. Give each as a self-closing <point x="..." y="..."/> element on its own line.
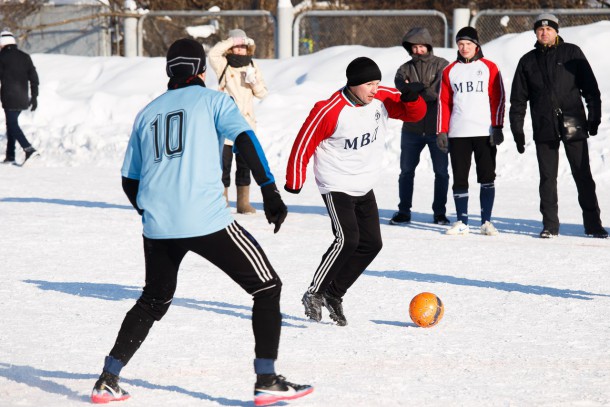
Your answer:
<point x="158" y="29"/>
<point x="491" y="24"/>
<point x="316" y="30"/>
<point x="65" y="29"/>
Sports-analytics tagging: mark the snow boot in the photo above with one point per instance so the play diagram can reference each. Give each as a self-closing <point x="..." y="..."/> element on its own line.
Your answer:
<point x="243" y="200"/>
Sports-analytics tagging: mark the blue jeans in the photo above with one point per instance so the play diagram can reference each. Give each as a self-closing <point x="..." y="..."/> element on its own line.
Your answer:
<point x="411" y="146"/>
<point x="14" y="133"/>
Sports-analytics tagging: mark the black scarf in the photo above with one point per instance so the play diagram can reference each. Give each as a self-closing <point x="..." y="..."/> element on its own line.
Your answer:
<point x="237" y="61"/>
<point x="177" y="83"/>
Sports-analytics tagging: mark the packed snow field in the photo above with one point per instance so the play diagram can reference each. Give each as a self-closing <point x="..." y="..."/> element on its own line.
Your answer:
<point x="526" y="319"/>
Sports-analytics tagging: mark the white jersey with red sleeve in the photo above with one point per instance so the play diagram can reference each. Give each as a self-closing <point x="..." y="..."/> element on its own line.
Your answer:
<point x="347" y="141"/>
<point x="471" y="99"/>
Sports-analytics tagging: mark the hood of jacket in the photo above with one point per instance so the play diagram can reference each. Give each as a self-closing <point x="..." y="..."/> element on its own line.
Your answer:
<point x="417" y="35"/>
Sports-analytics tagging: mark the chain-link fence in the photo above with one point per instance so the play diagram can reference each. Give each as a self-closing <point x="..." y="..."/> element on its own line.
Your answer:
<point x="157" y="30"/>
<point x="316" y="30"/>
<point x="491" y="24"/>
<point x="65" y="29"/>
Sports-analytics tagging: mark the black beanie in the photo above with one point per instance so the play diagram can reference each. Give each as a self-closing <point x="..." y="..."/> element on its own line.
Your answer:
<point x="185" y="58"/>
<point x="362" y="70"/>
<point x="468" y="33"/>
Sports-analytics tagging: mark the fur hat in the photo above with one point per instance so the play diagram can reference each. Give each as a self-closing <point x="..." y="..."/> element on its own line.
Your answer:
<point x="547" y="19"/>
<point x="7" y="38"/>
<point x="469" y="34"/>
<point x="362" y="70"/>
<point x="185" y="57"/>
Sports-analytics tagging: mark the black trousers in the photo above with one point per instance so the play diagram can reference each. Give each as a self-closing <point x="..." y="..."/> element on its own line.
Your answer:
<point x="577" y="153"/>
<point x="355" y="224"/>
<point x="242" y="172"/>
<point x="14" y="133"/>
<point x="461" y="150"/>
<point x="234" y="251"/>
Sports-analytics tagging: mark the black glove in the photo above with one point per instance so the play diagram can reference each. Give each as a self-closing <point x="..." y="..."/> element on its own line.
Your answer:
<point x="442" y="142"/>
<point x="410" y="91"/>
<point x="275" y="210"/>
<point x="33" y="103"/>
<point x="496" y="137"/>
<point x="593" y="128"/>
<point x="521" y="148"/>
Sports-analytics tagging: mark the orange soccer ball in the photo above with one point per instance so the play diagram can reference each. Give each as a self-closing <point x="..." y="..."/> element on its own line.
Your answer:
<point x="426" y="310"/>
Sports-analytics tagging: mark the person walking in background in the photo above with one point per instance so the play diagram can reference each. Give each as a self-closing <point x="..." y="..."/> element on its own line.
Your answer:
<point x="421" y="74"/>
<point x="554" y="77"/>
<point x="171" y="175"/>
<point x="240" y="77"/>
<point x="346" y="136"/>
<point x="16" y="71"/>
<point x="470" y="121"/>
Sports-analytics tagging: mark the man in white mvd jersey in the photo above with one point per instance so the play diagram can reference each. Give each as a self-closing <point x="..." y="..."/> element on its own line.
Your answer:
<point x="172" y="176"/>
<point x="469" y="122"/>
<point x="346" y="136"/>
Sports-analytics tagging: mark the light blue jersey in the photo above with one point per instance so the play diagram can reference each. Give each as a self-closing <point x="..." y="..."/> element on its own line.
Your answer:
<point x="175" y="151"/>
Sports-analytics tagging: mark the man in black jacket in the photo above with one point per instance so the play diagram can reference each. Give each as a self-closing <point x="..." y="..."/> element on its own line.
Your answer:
<point x="16" y="71"/>
<point x="423" y="75"/>
<point x="553" y="76"/>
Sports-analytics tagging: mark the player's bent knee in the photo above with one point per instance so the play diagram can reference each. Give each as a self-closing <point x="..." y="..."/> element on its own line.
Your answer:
<point x="155" y="307"/>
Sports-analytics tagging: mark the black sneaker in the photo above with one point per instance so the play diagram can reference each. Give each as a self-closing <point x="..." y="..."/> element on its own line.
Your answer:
<point x="600" y="233"/>
<point x="29" y="152"/>
<point x="271" y="388"/>
<point x="548" y="234"/>
<point x="107" y="389"/>
<point x="441" y="220"/>
<point x="400" y="218"/>
<point x="313" y="305"/>
<point x="9" y="160"/>
<point x="335" y="308"/>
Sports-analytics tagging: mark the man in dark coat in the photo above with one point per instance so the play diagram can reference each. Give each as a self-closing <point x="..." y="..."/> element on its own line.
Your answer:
<point x="553" y="76"/>
<point x="16" y="71"/>
<point x="422" y="73"/>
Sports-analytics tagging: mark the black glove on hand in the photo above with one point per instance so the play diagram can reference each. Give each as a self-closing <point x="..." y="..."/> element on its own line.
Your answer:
<point x="593" y="128"/>
<point x="33" y="103"/>
<point x="442" y="142"/>
<point x="521" y="148"/>
<point x="496" y="137"/>
<point x="410" y="91"/>
<point x="275" y="210"/>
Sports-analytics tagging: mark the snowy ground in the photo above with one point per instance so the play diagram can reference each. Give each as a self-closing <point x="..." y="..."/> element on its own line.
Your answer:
<point x="526" y="319"/>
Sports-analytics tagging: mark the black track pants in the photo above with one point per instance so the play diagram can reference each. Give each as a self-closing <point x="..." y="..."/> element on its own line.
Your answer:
<point x="355" y="223"/>
<point x="235" y="252"/>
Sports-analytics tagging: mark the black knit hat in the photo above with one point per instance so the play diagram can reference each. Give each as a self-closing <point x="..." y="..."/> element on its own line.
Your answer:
<point x="468" y="33"/>
<point x="547" y="19"/>
<point x="362" y="70"/>
<point x="185" y="58"/>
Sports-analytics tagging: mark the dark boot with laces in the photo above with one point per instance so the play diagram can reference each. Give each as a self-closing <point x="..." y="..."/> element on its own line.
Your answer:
<point x="313" y="305"/>
<point x="335" y="308"/>
<point x="107" y="389"/>
<point x="271" y="388"/>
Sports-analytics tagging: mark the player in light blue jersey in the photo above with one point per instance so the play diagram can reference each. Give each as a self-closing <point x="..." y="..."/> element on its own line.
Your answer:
<point x="172" y="176"/>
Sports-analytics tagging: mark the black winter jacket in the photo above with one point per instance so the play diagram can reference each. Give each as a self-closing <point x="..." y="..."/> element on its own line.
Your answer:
<point x="427" y="69"/>
<point x="569" y="74"/>
<point x="16" y="70"/>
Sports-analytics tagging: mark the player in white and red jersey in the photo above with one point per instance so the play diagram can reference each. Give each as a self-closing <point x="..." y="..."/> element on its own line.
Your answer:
<point x="470" y="121"/>
<point x="346" y="136"/>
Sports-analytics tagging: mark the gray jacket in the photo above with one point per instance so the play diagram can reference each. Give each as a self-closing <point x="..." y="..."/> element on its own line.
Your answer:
<point x="427" y="69"/>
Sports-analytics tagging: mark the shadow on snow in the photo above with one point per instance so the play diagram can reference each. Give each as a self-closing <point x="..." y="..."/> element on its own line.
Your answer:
<point x="44" y="380"/>
<point x="116" y="292"/>
<point x="496" y="285"/>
